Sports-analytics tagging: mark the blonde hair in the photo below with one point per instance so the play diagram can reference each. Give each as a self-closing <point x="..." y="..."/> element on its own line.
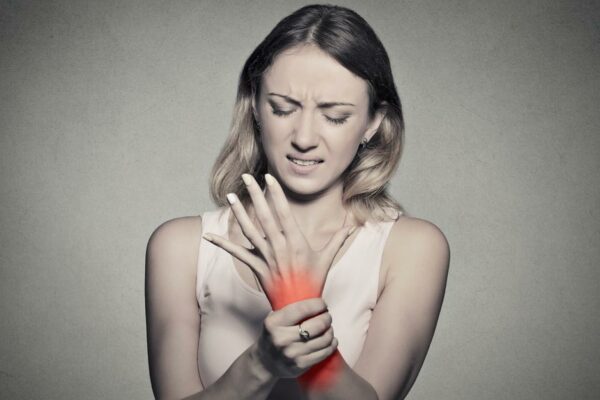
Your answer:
<point x="349" y="39"/>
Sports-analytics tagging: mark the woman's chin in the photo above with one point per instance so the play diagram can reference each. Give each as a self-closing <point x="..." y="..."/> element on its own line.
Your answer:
<point x="302" y="187"/>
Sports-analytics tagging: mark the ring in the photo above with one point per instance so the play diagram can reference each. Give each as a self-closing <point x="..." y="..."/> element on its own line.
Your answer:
<point x="303" y="333"/>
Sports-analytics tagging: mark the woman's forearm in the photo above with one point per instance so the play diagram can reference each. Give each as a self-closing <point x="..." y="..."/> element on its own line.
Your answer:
<point x="246" y="378"/>
<point x="345" y="384"/>
<point x="333" y="378"/>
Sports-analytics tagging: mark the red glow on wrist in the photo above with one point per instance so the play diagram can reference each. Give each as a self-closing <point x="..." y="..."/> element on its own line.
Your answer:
<point x="322" y="375"/>
<point x="301" y="286"/>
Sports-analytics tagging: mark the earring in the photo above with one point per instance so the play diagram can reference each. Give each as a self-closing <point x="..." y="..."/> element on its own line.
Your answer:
<point x="363" y="144"/>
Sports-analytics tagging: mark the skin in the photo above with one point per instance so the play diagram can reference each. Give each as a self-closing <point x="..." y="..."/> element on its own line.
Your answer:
<point x="307" y="77"/>
<point x="286" y="224"/>
<point x="294" y="119"/>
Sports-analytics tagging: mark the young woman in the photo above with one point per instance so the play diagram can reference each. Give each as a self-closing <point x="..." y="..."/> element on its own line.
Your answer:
<point x="308" y="281"/>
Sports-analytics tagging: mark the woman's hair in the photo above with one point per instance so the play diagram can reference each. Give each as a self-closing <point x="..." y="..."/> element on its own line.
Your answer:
<point x="348" y="38"/>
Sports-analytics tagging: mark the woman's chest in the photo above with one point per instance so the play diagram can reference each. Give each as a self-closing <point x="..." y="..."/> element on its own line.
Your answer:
<point x="249" y="278"/>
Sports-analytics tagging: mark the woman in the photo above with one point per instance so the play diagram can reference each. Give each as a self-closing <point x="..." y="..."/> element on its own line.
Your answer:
<point x="308" y="282"/>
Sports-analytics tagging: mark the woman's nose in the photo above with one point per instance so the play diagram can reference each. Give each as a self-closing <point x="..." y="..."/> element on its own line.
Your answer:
<point x="305" y="136"/>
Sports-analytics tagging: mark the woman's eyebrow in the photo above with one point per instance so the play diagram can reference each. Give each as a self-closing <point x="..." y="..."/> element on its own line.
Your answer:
<point x="327" y="104"/>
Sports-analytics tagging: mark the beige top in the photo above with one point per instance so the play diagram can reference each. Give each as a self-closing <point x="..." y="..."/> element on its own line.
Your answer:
<point x="232" y="312"/>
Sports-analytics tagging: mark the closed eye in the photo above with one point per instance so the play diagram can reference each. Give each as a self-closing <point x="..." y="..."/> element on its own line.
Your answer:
<point x="284" y="113"/>
<point x="336" y="121"/>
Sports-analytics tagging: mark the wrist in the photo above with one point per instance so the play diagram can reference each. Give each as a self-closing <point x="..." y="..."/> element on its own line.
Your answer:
<point x="300" y="285"/>
<point x="324" y="375"/>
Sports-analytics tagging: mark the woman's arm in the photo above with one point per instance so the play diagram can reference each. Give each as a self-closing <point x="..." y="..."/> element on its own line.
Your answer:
<point x="173" y="323"/>
<point x="404" y="319"/>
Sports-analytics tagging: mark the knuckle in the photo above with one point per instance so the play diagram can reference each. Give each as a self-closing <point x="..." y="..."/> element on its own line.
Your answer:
<point x="304" y="308"/>
<point x="269" y="324"/>
<point x="288" y="353"/>
<point x="268" y="321"/>
<point x="278" y="342"/>
<point x="300" y="362"/>
<point x="323" y="326"/>
<point x="329" y="335"/>
<point x="321" y="303"/>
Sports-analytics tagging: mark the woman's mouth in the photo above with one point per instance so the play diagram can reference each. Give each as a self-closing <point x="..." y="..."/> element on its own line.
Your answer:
<point x="304" y="162"/>
<point x="303" y="167"/>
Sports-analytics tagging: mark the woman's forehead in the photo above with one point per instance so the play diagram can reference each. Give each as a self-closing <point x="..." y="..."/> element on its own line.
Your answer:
<point x="307" y="73"/>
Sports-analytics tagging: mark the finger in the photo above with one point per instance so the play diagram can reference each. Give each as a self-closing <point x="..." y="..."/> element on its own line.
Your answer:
<point x="241" y="253"/>
<point x="282" y="209"/>
<point x="297" y="349"/>
<point x="293" y="313"/>
<point x="248" y="228"/>
<point x="266" y="219"/>
<point x="315" y="326"/>
<point x="316" y="356"/>
<point x="261" y="207"/>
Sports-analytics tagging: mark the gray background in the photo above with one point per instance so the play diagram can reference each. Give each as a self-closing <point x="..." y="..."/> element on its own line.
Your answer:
<point x="112" y="113"/>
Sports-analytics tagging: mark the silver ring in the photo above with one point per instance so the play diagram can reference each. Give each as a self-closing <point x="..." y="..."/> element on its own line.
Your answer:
<point x="303" y="333"/>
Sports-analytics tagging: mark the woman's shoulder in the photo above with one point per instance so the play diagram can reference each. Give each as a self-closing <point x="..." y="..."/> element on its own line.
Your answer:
<point x="178" y="228"/>
<point x="183" y="228"/>
<point x="409" y="228"/>
<point x="175" y="242"/>
<point x="416" y="242"/>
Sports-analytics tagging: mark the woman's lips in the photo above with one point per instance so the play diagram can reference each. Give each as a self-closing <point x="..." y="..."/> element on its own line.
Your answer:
<point x="303" y="169"/>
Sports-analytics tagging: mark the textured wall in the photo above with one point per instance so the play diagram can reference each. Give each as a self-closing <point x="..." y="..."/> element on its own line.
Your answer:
<point x="112" y="113"/>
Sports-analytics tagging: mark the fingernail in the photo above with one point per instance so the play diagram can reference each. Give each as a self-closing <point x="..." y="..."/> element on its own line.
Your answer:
<point x="351" y="230"/>
<point x="247" y="179"/>
<point x="270" y="180"/>
<point x="208" y="237"/>
<point x="231" y="198"/>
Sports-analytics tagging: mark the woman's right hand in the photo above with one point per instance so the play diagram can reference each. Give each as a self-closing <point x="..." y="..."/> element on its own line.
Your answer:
<point x="280" y="348"/>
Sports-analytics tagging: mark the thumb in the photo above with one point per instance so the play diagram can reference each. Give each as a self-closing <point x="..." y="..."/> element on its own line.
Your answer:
<point x="335" y="243"/>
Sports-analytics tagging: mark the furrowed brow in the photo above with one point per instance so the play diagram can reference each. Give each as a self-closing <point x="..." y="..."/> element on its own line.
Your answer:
<point x="328" y="104"/>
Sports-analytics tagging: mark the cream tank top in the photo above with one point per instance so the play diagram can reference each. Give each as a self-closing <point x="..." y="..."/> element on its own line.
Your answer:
<point x="232" y="312"/>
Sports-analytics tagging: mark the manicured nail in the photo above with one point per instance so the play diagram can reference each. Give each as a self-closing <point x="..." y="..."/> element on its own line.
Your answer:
<point x="270" y="180"/>
<point x="247" y="179"/>
<point x="208" y="237"/>
<point x="231" y="198"/>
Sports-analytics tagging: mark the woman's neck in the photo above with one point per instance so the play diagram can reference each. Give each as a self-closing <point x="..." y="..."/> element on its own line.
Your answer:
<point x="320" y="217"/>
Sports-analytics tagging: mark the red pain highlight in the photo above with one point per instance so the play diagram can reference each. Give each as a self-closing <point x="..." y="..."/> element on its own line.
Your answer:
<point x="301" y="286"/>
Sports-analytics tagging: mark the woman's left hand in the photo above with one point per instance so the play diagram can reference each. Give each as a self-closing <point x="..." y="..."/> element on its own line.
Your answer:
<point x="285" y="260"/>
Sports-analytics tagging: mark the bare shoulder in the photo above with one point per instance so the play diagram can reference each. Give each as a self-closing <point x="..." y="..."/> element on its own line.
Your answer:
<point x="177" y="228"/>
<point x="416" y="244"/>
<point x="175" y="242"/>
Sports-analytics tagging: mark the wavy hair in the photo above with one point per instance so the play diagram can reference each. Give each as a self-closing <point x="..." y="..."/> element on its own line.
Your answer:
<point x="348" y="38"/>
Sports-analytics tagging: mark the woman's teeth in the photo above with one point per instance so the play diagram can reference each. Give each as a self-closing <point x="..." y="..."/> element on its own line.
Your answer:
<point x="302" y="162"/>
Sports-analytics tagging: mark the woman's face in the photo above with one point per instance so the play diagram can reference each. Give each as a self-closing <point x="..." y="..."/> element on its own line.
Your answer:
<point x="312" y="108"/>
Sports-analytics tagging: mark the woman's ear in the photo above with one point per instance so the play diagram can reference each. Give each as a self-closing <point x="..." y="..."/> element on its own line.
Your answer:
<point x="373" y="125"/>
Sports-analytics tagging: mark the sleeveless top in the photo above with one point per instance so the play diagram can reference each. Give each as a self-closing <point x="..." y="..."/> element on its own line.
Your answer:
<point x="232" y="312"/>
